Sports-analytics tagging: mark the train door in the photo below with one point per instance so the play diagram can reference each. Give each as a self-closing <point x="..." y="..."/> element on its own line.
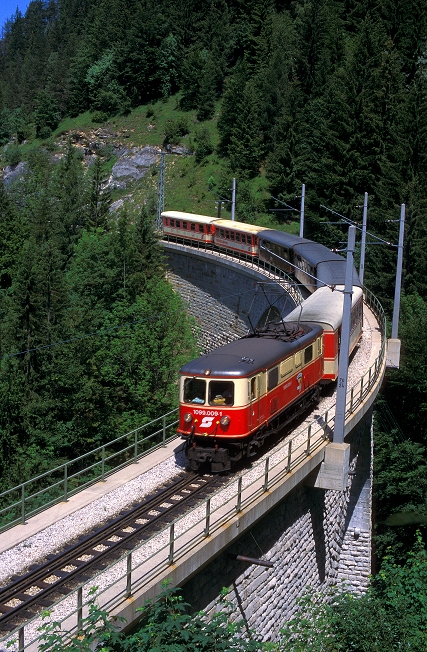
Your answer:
<point x="254" y="401"/>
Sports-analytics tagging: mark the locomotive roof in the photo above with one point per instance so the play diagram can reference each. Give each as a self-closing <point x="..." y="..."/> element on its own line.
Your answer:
<point x="324" y="307"/>
<point x="239" y="226"/>
<point x="248" y="355"/>
<point x="189" y="217"/>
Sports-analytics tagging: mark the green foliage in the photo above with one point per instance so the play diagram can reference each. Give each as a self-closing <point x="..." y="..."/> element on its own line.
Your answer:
<point x="97" y="630"/>
<point x="164" y="626"/>
<point x="204" y="145"/>
<point x="12" y="155"/>
<point x="167" y="626"/>
<point x="167" y="65"/>
<point x="400" y="473"/>
<point x="67" y="272"/>
<point x="392" y="615"/>
<point x="176" y="129"/>
<point x="46" y="114"/>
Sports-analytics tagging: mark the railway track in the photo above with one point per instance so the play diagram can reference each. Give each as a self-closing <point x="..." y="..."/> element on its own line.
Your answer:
<point x="45" y="583"/>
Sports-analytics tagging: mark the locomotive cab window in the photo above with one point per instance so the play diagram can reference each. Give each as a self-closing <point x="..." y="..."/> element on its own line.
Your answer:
<point x="319" y="345"/>
<point x="193" y="226"/>
<point x="297" y="359"/>
<point x="221" y="392"/>
<point x="184" y="225"/>
<point x="194" y="390"/>
<point x="273" y="378"/>
<point x="178" y="224"/>
<point x="308" y="354"/>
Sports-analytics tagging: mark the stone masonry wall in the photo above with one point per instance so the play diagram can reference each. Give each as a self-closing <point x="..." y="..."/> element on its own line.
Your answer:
<point x="223" y="297"/>
<point x="309" y="538"/>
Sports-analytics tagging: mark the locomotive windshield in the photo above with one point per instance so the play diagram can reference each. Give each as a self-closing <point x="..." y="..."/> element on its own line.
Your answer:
<point x="194" y="390"/>
<point x="221" y="392"/>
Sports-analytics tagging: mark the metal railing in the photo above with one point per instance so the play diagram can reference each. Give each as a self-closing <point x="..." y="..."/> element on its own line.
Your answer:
<point x="137" y="569"/>
<point x="252" y="262"/>
<point x="58" y="484"/>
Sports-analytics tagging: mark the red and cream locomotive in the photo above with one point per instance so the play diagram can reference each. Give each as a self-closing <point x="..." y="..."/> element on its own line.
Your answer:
<point x="233" y="397"/>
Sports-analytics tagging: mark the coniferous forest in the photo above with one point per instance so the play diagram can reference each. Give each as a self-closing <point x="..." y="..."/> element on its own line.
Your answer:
<point x="330" y="93"/>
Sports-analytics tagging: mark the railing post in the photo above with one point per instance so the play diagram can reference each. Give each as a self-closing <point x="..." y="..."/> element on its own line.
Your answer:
<point x="351" y="400"/>
<point x="267" y="462"/>
<point x="325" y="427"/>
<point x="239" y="495"/>
<point x="103" y="464"/>
<point x="66" y="483"/>
<point x="308" y="440"/>
<point x="288" y="466"/>
<point x="208" y="517"/>
<point x="164" y="431"/>
<point x="80" y="608"/>
<point x="129" y="576"/>
<point x="135" y="448"/>
<point x="370" y="377"/>
<point x="21" y="640"/>
<point x="171" y="542"/>
<point x="361" y="389"/>
<point x="23" y="504"/>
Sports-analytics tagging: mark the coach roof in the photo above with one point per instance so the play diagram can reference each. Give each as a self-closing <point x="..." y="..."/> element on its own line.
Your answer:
<point x="189" y="217"/>
<point x="324" y="307"/>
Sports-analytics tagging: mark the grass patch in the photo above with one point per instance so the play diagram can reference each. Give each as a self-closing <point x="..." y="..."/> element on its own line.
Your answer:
<point x="81" y="122"/>
<point x="191" y="185"/>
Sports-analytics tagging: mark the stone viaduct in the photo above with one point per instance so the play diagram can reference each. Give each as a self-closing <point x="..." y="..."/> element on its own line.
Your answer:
<point x="314" y="536"/>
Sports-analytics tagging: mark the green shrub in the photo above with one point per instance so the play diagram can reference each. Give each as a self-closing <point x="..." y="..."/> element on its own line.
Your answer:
<point x="12" y="155"/>
<point x="99" y="116"/>
<point x="176" y="129"/>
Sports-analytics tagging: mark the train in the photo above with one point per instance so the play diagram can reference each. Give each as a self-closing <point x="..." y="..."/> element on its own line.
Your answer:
<point x="236" y="396"/>
<point x="312" y="264"/>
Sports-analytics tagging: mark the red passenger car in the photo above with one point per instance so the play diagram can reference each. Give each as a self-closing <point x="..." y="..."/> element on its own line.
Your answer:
<point x="325" y="307"/>
<point x="180" y="226"/>
<point x="237" y="237"/>
<point x="233" y="397"/>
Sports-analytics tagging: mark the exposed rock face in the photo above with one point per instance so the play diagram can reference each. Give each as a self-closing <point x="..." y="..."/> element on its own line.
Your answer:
<point x="133" y="164"/>
<point x="12" y="172"/>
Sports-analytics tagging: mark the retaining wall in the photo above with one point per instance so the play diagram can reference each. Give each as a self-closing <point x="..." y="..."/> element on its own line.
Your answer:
<point x="311" y="539"/>
<point x="223" y="297"/>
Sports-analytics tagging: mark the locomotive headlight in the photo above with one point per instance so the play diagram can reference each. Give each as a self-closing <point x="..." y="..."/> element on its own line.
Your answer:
<point x="224" y="421"/>
<point x="188" y="417"/>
